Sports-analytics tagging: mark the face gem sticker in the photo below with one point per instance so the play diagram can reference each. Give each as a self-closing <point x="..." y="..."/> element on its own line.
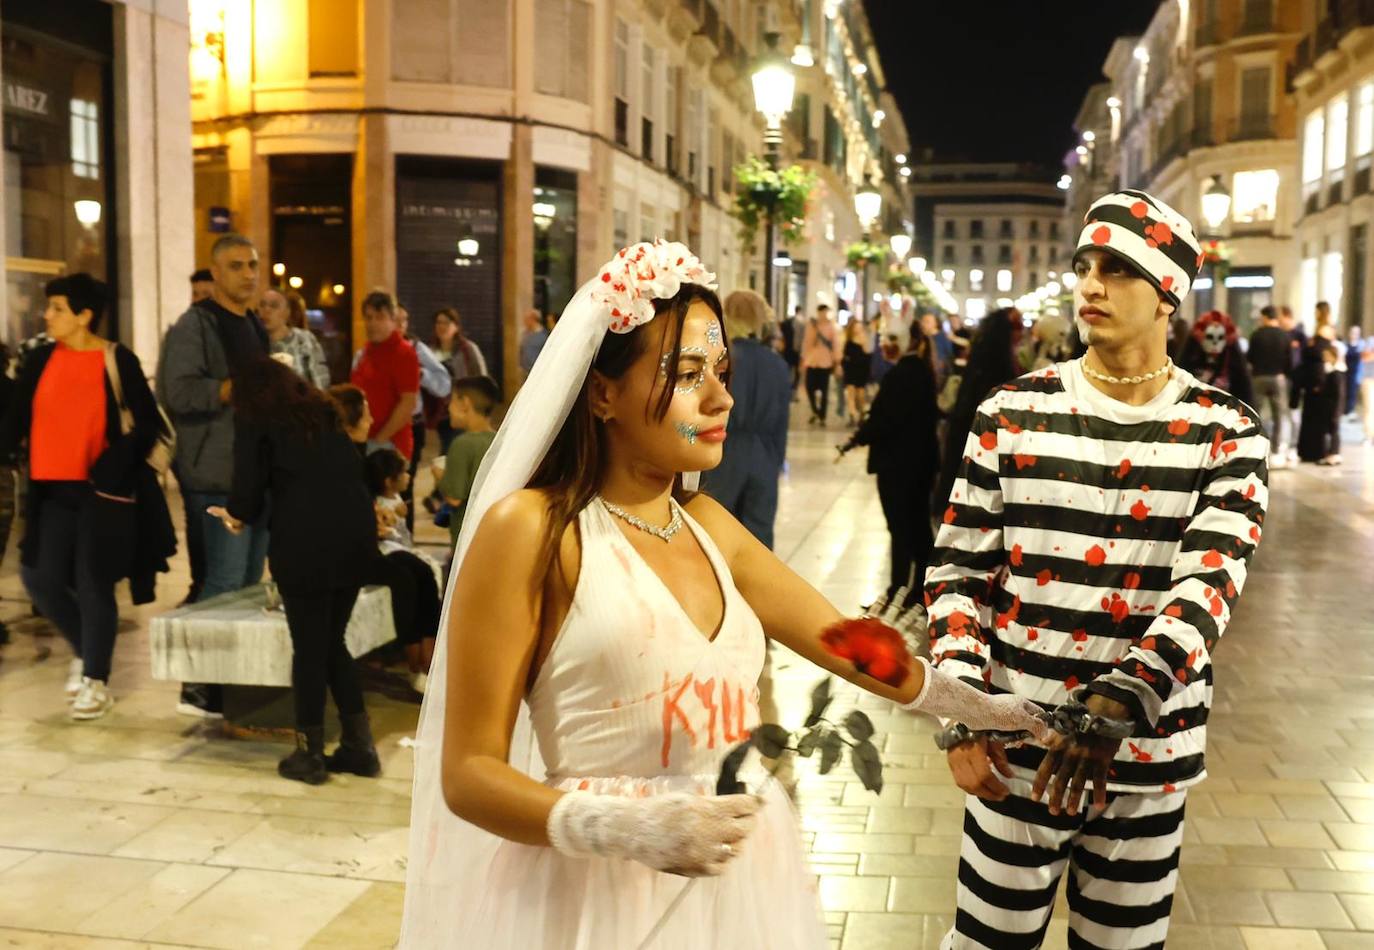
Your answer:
<point x="713" y="335"/>
<point x="694" y="380"/>
<point x="688" y="432"/>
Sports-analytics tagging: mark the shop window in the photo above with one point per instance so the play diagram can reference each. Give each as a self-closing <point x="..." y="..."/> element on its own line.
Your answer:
<point x="555" y="238"/>
<point x="85" y="139"/>
<point x="1255" y="196"/>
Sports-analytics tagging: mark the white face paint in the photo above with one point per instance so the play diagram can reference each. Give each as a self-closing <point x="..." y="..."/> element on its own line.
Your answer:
<point x="1213" y="339"/>
<point x="1085" y="330"/>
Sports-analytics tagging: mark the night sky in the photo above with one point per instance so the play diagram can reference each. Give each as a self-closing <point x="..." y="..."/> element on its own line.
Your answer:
<point x="997" y="80"/>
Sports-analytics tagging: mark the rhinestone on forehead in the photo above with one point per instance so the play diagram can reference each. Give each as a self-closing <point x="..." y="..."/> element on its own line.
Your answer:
<point x="713" y="336"/>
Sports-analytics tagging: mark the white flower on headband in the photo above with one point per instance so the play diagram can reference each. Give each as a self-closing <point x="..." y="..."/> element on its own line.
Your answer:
<point x="642" y="273"/>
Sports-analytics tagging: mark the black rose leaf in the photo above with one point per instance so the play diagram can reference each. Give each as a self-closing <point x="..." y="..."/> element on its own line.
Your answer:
<point x="831" y="747"/>
<point x="859" y="725"/>
<point x="771" y="740"/>
<point x="820" y="701"/>
<point x="809" y="742"/>
<point x="867" y="766"/>
<point x="728" y="783"/>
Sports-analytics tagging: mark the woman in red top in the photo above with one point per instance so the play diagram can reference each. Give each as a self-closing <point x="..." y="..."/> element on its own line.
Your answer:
<point x="82" y="519"/>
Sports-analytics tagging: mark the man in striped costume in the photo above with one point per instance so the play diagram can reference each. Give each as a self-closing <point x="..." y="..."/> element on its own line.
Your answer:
<point x="1094" y="546"/>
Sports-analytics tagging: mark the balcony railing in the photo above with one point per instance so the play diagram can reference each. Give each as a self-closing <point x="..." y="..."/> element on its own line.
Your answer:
<point x="1249" y="128"/>
<point x="1345" y="15"/>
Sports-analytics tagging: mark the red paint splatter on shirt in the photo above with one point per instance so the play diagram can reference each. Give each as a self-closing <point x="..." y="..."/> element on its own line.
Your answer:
<point x="1095" y="556"/>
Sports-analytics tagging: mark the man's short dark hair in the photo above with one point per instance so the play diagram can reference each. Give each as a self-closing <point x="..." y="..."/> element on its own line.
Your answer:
<point x="481" y="391"/>
<point x="83" y="292"/>
<point x="1269" y="313"/>
<point x="824" y="306"/>
<point x="229" y="241"/>
<point x="202" y="276"/>
<point x="380" y="300"/>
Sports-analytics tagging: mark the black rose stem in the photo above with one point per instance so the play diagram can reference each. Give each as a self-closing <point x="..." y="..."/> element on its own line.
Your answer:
<point x="774" y="742"/>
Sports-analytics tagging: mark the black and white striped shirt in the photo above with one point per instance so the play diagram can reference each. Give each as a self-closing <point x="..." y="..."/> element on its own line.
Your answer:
<point x="1089" y="543"/>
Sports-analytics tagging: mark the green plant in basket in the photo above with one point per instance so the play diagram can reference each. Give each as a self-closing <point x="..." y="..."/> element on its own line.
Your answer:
<point x="785" y="193"/>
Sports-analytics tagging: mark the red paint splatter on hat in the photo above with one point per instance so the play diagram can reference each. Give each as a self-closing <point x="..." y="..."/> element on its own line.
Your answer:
<point x="1217" y="606"/>
<point x="1166" y="283"/>
<point x="1102" y="235"/>
<point x="1139" y="209"/>
<point x="1212" y="558"/>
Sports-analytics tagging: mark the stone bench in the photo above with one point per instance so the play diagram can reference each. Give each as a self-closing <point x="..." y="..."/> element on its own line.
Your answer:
<point x="235" y="640"/>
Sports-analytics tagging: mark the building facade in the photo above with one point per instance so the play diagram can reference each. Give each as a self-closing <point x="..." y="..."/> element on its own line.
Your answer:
<point x="991" y="232"/>
<point x="96" y="116"/>
<point x="1332" y="78"/>
<point x="1200" y="98"/>
<point x="472" y="153"/>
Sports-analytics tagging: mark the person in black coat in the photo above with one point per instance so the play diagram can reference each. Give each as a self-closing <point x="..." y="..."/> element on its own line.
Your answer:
<point x="903" y="453"/>
<point x="95" y="513"/>
<point x="289" y="441"/>
<point x="991" y="362"/>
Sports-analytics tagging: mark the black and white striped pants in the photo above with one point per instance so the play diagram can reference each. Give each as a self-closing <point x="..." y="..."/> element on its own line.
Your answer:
<point x="1123" y="867"/>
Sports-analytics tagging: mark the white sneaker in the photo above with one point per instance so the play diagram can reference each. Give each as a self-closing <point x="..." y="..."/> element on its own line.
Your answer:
<point x="419" y="682"/>
<point x="1278" y="460"/>
<point x="74" y="678"/>
<point x="93" y="701"/>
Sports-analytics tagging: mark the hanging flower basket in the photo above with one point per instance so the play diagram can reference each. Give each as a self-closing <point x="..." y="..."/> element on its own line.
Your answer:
<point x="1217" y="255"/>
<point x="900" y="280"/>
<point x="863" y="253"/>
<point x="785" y="193"/>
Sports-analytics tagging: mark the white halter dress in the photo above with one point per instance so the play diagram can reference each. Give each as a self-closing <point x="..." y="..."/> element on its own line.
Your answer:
<point x="634" y="700"/>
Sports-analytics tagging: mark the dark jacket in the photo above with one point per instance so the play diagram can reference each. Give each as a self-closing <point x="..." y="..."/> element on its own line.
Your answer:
<point x="323" y="530"/>
<point x="1270" y="352"/>
<point x="121" y="472"/>
<point x="900" y="428"/>
<point x="193" y="365"/>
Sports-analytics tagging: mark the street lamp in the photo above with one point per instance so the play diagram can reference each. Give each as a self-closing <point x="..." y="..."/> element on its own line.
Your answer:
<point x="774" y="86"/>
<point x="868" y="205"/>
<point x="1216" y="205"/>
<point x="917" y="265"/>
<point x="901" y="244"/>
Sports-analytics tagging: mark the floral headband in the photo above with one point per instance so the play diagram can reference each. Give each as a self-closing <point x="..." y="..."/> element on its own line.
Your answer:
<point x="642" y="273"/>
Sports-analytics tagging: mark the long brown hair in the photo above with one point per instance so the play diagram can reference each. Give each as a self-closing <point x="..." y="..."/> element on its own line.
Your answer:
<point x="571" y="471"/>
<point x="266" y="393"/>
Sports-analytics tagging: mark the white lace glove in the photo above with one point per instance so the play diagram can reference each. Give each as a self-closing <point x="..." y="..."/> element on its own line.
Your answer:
<point x="691" y="835"/>
<point x="948" y="697"/>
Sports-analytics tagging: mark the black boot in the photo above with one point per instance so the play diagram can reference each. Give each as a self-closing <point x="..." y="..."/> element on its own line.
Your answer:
<point x="306" y="764"/>
<point x="356" y="753"/>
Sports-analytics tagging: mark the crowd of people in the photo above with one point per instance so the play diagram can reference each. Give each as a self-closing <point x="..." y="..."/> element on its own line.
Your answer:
<point x="278" y="465"/>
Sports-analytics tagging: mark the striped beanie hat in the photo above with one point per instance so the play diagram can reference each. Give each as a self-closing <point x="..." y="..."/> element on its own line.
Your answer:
<point x="1147" y="234"/>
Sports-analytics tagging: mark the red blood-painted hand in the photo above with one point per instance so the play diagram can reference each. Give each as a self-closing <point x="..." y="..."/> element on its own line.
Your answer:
<point x="874" y="648"/>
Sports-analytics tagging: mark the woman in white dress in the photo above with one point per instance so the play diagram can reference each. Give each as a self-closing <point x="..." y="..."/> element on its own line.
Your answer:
<point x="629" y="614"/>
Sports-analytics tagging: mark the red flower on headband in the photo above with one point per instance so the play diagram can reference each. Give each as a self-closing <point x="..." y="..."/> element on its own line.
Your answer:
<point x="872" y="646"/>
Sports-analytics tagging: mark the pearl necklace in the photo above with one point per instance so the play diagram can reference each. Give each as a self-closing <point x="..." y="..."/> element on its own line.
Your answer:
<point x="1127" y="380"/>
<point x="634" y="521"/>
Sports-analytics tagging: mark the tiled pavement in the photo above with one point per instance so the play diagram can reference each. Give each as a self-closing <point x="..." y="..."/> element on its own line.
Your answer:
<point x="145" y="829"/>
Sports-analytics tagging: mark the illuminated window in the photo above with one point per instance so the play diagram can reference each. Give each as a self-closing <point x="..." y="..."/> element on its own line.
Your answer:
<point x="1255" y="196"/>
<point x="975" y="280"/>
<point x="1364" y="120"/>
<point x="85" y="139"/>
<point x="1313" y="130"/>
<point x="975" y="308"/>
<point x="947" y="277"/>
<point x="1003" y="281"/>
<point x="1337" y="118"/>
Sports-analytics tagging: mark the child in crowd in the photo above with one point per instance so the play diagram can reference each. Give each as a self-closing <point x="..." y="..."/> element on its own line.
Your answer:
<point x="472" y="404"/>
<point x="412" y="576"/>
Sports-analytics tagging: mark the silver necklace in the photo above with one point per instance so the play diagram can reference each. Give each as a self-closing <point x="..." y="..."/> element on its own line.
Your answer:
<point x="1126" y="380"/>
<point x="634" y="521"/>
